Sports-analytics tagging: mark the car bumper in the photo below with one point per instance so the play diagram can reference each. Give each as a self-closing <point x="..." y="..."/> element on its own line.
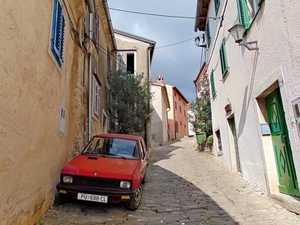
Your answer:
<point x="114" y="195"/>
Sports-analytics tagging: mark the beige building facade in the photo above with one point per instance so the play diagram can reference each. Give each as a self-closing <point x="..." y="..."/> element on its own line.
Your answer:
<point x="159" y="119"/>
<point x="55" y="56"/>
<point x="134" y="55"/>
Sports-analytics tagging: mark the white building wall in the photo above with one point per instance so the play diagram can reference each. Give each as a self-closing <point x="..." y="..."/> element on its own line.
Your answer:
<point x="159" y="120"/>
<point x="250" y="76"/>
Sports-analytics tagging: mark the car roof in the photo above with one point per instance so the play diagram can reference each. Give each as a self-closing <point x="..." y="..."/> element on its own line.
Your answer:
<point x="123" y="136"/>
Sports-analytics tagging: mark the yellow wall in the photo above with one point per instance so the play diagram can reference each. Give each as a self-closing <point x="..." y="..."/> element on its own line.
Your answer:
<point x="32" y="89"/>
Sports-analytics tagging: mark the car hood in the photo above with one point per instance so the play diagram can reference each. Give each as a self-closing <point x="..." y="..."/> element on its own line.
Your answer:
<point x="99" y="166"/>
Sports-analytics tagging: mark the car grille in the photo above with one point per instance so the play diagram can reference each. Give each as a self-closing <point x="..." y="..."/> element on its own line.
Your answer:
<point x="96" y="182"/>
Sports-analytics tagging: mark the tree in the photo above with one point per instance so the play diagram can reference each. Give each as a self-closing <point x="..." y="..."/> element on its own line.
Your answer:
<point x="130" y="101"/>
<point x="201" y="110"/>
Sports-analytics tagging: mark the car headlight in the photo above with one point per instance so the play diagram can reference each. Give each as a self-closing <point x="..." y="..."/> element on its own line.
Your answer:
<point x="125" y="184"/>
<point x="68" y="179"/>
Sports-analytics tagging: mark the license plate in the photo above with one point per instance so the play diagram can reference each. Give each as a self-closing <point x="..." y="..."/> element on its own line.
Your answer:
<point x="92" y="198"/>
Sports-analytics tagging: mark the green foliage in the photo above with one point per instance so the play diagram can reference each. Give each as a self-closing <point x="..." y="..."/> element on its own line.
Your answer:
<point x="202" y="111"/>
<point x="130" y="101"/>
<point x="210" y="141"/>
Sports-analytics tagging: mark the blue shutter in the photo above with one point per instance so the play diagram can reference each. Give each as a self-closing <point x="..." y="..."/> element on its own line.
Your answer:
<point x="57" y="38"/>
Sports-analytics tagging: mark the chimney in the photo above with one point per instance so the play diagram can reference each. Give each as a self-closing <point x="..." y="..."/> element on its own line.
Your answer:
<point x="159" y="79"/>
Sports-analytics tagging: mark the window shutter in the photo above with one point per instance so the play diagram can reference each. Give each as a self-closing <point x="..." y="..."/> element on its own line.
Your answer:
<point x="208" y="34"/>
<point x="57" y="38"/>
<point x="217" y="5"/>
<point x="243" y="13"/>
<point x="212" y="83"/>
<point x="223" y="57"/>
<point x="96" y="99"/>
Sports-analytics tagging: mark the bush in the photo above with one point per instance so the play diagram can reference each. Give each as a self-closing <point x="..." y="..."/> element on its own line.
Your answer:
<point x="210" y="141"/>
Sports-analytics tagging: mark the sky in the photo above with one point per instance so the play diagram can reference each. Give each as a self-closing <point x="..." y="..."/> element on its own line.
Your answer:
<point x="176" y="57"/>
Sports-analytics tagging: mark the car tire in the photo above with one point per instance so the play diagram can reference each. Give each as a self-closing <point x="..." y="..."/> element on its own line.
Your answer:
<point x="65" y="198"/>
<point x="144" y="179"/>
<point x="134" y="202"/>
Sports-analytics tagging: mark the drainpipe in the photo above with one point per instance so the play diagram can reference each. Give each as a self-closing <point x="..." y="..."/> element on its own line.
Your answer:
<point x="91" y="7"/>
<point x="90" y="80"/>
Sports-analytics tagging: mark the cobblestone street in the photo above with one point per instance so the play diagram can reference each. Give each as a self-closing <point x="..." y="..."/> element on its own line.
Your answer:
<point x="183" y="186"/>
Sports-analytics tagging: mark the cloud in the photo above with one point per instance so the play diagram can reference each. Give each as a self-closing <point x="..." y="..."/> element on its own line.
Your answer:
<point x="178" y="64"/>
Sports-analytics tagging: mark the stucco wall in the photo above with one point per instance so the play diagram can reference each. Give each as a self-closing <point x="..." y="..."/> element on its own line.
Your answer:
<point x="251" y="74"/>
<point x="33" y="88"/>
<point x="159" y="123"/>
<point x="141" y="48"/>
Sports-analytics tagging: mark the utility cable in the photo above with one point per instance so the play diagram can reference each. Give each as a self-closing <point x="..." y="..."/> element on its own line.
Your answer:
<point x="155" y="14"/>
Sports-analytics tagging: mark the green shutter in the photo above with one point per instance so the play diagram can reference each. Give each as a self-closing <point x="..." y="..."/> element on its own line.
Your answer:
<point x="212" y="83"/>
<point x="208" y="34"/>
<point x="243" y="13"/>
<point x="223" y="57"/>
<point x="217" y="5"/>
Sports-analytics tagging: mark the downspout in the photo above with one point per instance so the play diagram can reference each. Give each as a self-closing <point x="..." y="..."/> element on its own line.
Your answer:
<point x="91" y="7"/>
<point x="90" y="80"/>
<point x="147" y="122"/>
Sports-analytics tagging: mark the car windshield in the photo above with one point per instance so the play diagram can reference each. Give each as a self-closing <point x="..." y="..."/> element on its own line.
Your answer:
<point x="114" y="147"/>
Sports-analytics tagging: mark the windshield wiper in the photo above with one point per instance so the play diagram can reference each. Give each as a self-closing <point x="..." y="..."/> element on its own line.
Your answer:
<point x="120" y="156"/>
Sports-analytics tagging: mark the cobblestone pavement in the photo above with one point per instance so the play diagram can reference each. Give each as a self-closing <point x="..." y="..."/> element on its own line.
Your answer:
<point x="183" y="187"/>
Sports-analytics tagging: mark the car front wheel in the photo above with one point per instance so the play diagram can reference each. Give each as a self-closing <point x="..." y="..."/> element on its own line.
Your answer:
<point x="134" y="202"/>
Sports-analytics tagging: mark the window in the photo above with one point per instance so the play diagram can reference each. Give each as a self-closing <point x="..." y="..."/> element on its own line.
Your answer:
<point x="212" y="83"/>
<point x="180" y="108"/>
<point x="57" y="35"/>
<point x="223" y="57"/>
<point x="96" y="28"/>
<point x="175" y="105"/>
<point x="127" y="62"/>
<point x="208" y="34"/>
<point x="219" y="143"/>
<point x="217" y="5"/>
<point x="247" y="10"/>
<point x="96" y="99"/>
<point x="296" y="106"/>
<point x="130" y="63"/>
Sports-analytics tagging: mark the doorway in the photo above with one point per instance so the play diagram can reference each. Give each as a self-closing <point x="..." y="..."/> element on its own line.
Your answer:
<point x="281" y="145"/>
<point x="234" y="145"/>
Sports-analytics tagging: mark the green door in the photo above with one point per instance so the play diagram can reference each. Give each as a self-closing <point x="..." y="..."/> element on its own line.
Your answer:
<point x="284" y="160"/>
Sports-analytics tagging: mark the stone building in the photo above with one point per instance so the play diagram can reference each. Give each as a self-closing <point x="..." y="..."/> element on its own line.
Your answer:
<point x="54" y="57"/>
<point x="135" y="55"/>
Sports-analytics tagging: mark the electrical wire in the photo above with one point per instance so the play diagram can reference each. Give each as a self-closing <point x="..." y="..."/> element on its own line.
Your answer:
<point x="175" y="43"/>
<point x="155" y="14"/>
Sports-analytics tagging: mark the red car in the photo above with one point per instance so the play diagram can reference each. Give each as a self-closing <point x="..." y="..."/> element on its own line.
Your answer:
<point x="111" y="168"/>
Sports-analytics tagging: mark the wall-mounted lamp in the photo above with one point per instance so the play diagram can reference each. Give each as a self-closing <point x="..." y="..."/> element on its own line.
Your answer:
<point x="237" y="32"/>
<point x="197" y="42"/>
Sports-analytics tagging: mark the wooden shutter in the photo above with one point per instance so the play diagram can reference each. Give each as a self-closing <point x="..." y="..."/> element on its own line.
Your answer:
<point x="243" y="13"/>
<point x="57" y="37"/>
<point x="212" y="83"/>
<point x="223" y="57"/>
<point x="208" y="34"/>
